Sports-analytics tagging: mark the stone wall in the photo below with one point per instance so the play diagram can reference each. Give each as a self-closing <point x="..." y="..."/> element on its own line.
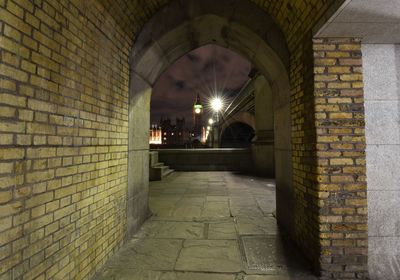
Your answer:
<point x="63" y="136"/>
<point x="263" y="143"/>
<point x="382" y="109"/>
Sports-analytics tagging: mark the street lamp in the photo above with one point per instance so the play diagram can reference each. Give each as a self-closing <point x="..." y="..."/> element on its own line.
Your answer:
<point x="216" y="106"/>
<point x="210" y="121"/>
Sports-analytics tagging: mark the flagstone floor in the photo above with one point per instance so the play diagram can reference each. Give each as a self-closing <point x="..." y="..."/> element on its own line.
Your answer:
<point x="208" y="226"/>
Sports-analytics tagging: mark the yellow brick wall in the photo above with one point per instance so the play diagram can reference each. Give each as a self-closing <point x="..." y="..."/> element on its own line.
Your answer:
<point x="64" y="77"/>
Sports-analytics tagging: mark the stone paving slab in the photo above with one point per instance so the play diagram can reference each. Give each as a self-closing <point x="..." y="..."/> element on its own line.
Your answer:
<point x="171" y="230"/>
<point x="148" y="254"/>
<point x="246" y="211"/>
<point x="129" y="274"/>
<point x="279" y="277"/>
<point x="222" y="230"/>
<point x="196" y="276"/>
<point x="197" y="229"/>
<point x="134" y="274"/>
<point x="264" y="253"/>
<point x="257" y="225"/>
<point x="209" y="255"/>
<point x="217" y="198"/>
<point x="216" y="210"/>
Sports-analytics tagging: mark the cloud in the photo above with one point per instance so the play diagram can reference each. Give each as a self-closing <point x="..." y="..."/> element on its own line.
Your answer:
<point x="205" y="70"/>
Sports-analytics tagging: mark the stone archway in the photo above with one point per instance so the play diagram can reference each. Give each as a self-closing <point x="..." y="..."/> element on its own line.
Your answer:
<point x="181" y="27"/>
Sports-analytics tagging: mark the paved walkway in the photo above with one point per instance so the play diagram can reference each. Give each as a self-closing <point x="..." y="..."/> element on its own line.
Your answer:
<point x="208" y="226"/>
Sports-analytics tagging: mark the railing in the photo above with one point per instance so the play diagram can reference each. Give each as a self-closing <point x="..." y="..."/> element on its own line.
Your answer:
<point x="244" y="99"/>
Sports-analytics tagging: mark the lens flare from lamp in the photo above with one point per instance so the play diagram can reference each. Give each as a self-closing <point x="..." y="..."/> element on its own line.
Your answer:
<point x="216" y="104"/>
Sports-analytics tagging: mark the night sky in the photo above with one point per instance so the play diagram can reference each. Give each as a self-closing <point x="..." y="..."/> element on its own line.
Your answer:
<point x="205" y="70"/>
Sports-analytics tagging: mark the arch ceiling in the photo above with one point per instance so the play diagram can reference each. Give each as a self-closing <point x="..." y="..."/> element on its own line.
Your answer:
<point x="294" y="17"/>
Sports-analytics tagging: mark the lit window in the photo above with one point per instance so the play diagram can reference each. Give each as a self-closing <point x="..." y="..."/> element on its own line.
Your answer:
<point x="165" y="138"/>
<point x="165" y="133"/>
<point x="172" y="134"/>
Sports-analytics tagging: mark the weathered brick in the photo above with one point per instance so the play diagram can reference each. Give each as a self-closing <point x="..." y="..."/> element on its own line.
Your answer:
<point x="39" y="128"/>
<point x="12" y="100"/>
<point x="39" y="200"/>
<point x="10" y="262"/>
<point x="41" y="152"/>
<point x="11" y="153"/>
<point x="39" y="176"/>
<point x="9" y="209"/>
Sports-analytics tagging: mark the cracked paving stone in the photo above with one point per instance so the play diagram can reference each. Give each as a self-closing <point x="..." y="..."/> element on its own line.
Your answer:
<point x="216" y="210"/>
<point x="210" y="256"/>
<point x="246" y="211"/>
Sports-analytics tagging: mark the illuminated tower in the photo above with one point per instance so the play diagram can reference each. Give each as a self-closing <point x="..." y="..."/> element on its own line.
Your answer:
<point x="197" y="117"/>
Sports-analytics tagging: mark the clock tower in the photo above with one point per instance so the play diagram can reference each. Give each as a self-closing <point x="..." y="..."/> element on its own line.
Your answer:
<point x="197" y="117"/>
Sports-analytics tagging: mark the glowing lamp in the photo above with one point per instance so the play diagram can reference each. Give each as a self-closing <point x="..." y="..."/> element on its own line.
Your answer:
<point x="197" y="110"/>
<point x="216" y="104"/>
<point x="211" y="121"/>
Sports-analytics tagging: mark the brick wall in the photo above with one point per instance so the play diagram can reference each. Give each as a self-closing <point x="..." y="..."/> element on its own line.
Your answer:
<point x="63" y="135"/>
<point x="306" y="225"/>
<point x="329" y="157"/>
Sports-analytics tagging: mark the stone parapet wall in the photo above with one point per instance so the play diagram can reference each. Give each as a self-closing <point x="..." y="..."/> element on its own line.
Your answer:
<point x="207" y="159"/>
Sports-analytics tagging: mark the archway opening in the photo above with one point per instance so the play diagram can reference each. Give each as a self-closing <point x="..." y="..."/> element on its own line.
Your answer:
<point x="156" y="49"/>
<point x="237" y="135"/>
<point x="182" y="97"/>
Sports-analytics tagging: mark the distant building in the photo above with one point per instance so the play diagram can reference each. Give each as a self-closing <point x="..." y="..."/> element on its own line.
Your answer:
<point x="155" y="135"/>
<point x="169" y="134"/>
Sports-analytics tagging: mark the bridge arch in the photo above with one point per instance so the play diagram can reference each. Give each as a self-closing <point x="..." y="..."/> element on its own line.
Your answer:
<point x="237" y="135"/>
<point x="240" y="117"/>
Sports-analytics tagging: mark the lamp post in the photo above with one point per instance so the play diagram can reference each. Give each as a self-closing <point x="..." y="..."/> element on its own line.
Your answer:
<point x="216" y="105"/>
